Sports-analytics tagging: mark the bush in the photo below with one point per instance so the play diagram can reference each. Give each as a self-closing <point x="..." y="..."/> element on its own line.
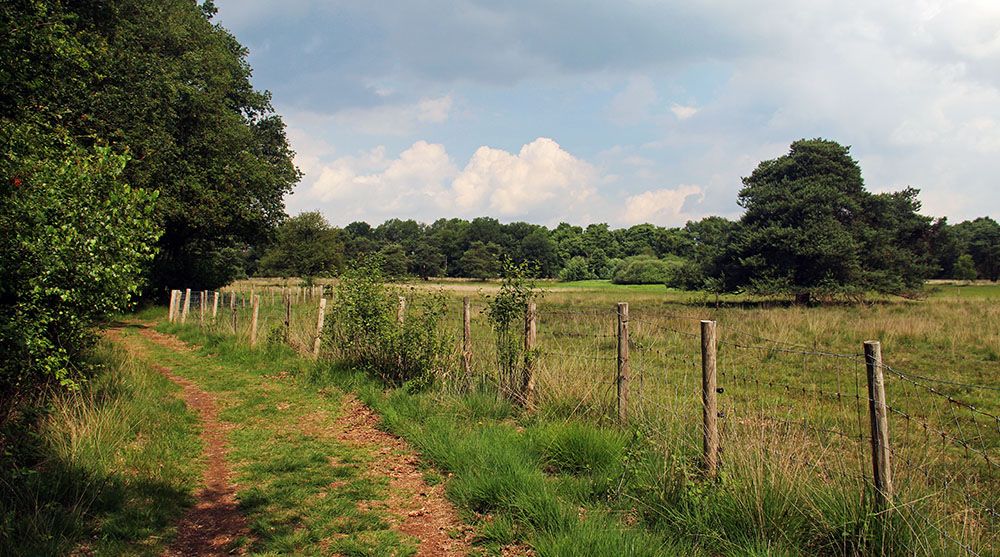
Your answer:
<point x="366" y="333"/>
<point x="74" y="244"/>
<point x="576" y="268"/>
<point x="506" y="312"/>
<point x="644" y="269"/>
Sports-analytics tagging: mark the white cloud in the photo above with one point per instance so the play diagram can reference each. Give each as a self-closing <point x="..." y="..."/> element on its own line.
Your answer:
<point x="683" y="112"/>
<point x="507" y="184"/>
<point x="663" y="206"/>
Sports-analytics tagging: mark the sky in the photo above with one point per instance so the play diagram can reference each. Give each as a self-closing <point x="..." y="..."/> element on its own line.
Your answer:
<point x="621" y="111"/>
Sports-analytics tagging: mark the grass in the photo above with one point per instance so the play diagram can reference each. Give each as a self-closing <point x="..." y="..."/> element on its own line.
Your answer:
<point x="303" y="491"/>
<point x="795" y="462"/>
<point x="109" y="468"/>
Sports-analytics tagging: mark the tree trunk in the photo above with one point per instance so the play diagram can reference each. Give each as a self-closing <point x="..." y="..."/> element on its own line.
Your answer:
<point x="803" y="298"/>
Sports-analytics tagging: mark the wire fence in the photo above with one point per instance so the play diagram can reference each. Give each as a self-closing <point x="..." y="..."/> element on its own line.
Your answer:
<point x="807" y="412"/>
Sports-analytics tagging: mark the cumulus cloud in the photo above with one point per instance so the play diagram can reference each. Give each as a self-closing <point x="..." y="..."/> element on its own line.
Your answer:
<point x="662" y="206"/>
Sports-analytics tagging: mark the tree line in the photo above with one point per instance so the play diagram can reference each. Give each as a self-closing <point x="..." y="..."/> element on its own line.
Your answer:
<point x="809" y="227"/>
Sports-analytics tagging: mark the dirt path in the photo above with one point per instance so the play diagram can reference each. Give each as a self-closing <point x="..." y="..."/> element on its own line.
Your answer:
<point x="421" y="509"/>
<point x="214" y="526"/>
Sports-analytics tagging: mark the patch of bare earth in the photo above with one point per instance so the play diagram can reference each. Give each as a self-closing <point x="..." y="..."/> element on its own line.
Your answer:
<point x="214" y="525"/>
<point x="417" y="508"/>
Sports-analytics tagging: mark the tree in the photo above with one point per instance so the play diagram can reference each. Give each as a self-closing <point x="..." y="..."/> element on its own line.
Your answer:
<point x="481" y="260"/>
<point x="394" y="260"/>
<point x="427" y="261"/>
<point x="811" y="228"/>
<point x="965" y="268"/>
<point x="982" y="237"/>
<point x="576" y="269"/>
<point x="307" y="246"/>
<point x="159" y="81"/>
<point x="539" y="252"/>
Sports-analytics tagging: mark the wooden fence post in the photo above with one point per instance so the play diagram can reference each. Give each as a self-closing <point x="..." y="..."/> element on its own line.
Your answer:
<point x="170" y="308"/>
<point x="319" y="327"/>
<point x="710" y="406"/>
<point x="177" y="305"/>
<point x="467" y="339"/>
<point x="187" y="305"/>
<point x="530" y="340"/>
<point x="201" y="309"/>
<point x="253" y="320"/>
<point x="623" y="362"/>
<point x="232" y="299"/>
<point x="215" y="305"/>
<point x="401" y="310"/>
<point x="877" y="411"/>
<point x="234" y="320"/>
<point x="288" y="317"/>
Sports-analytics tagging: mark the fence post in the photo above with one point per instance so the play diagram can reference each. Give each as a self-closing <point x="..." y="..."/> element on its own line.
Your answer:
<point x="202" y="302"/>
<point x="623" y="363"/>
<point x="215" y="305"/>
<point x="170" y="308"/>
<point x="710" y="407"/>
<point x="177" y="305"/>
<point x="253" y="320"/>
<point x="401" y="310"/>
<point x="234" y="320"/>
<point x="530" y="338"/>
<point x="288" y="317"/>
<point x="877" y="411"/>
<point x="187" y="305"/>
<point x="467" y="339"/>
<point x="319" y="327"/>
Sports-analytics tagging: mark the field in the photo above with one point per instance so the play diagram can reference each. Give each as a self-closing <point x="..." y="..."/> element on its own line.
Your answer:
<point x="793" y="401"/>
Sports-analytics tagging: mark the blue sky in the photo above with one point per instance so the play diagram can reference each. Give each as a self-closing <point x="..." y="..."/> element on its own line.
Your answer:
<point x="621" y="112"/>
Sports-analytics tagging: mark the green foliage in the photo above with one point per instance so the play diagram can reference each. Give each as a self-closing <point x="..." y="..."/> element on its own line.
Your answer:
<point x="811" y="228"/>
<point x="965" y="268"/>
<point x="157" y="80"/>
<point x="644" y="269"/>
<point x="306" y="246"/>
<point x="506" y="312"/>
<point x="365" y="331"/>
<point x="982" y="238"/>
<point x="481" y="260"/>
<point x="76" y="240"/>
<point x="576" y="268"/>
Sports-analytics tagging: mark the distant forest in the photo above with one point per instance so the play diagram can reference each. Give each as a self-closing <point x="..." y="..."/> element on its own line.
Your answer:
<point x="306" y="245"/>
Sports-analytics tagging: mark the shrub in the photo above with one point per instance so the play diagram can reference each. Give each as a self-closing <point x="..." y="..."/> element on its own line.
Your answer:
<point x="644" y="269"/>
<point x="576" y="268"/>
<point x="365" y="331"/>
<point x="505" y="312"/>
<point x="74" y="244"/>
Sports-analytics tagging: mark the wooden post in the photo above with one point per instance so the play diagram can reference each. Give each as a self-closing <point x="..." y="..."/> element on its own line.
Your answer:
<point x="877" y="411"/>
<point x="215" y="305"/>
<point x="319" y="327"/>
<point x="401" y="310"/>
<point x="177" y="305"/>
<point x="623" y="363"/>
<point x="710" y="408"/>
<point x="234" y="320"/>
<point x="170" y="308"/>
<point x="253" y="321"/>
<point x="530" y="340"/>
<point x="202" y="302"/>
<point x="187" y="305"/>
<point x="288" y="317"/>
<point x="232" y="299"/>
<point x="467" y="339"/>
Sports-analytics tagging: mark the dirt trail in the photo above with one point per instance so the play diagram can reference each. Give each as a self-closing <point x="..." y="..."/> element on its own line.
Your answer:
<point x="421" y="510"/>
<point x="214" y="525"/>
<point x="416" y="508"/>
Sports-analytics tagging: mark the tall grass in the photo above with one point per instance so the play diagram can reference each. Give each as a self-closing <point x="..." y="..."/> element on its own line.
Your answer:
<point x="109" y="466"/>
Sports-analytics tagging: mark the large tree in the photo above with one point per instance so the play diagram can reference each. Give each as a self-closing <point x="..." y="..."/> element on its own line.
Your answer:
<point x="159" y="81"/>
<point x="306" y="246"/>
<point x="810" y="227"/>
